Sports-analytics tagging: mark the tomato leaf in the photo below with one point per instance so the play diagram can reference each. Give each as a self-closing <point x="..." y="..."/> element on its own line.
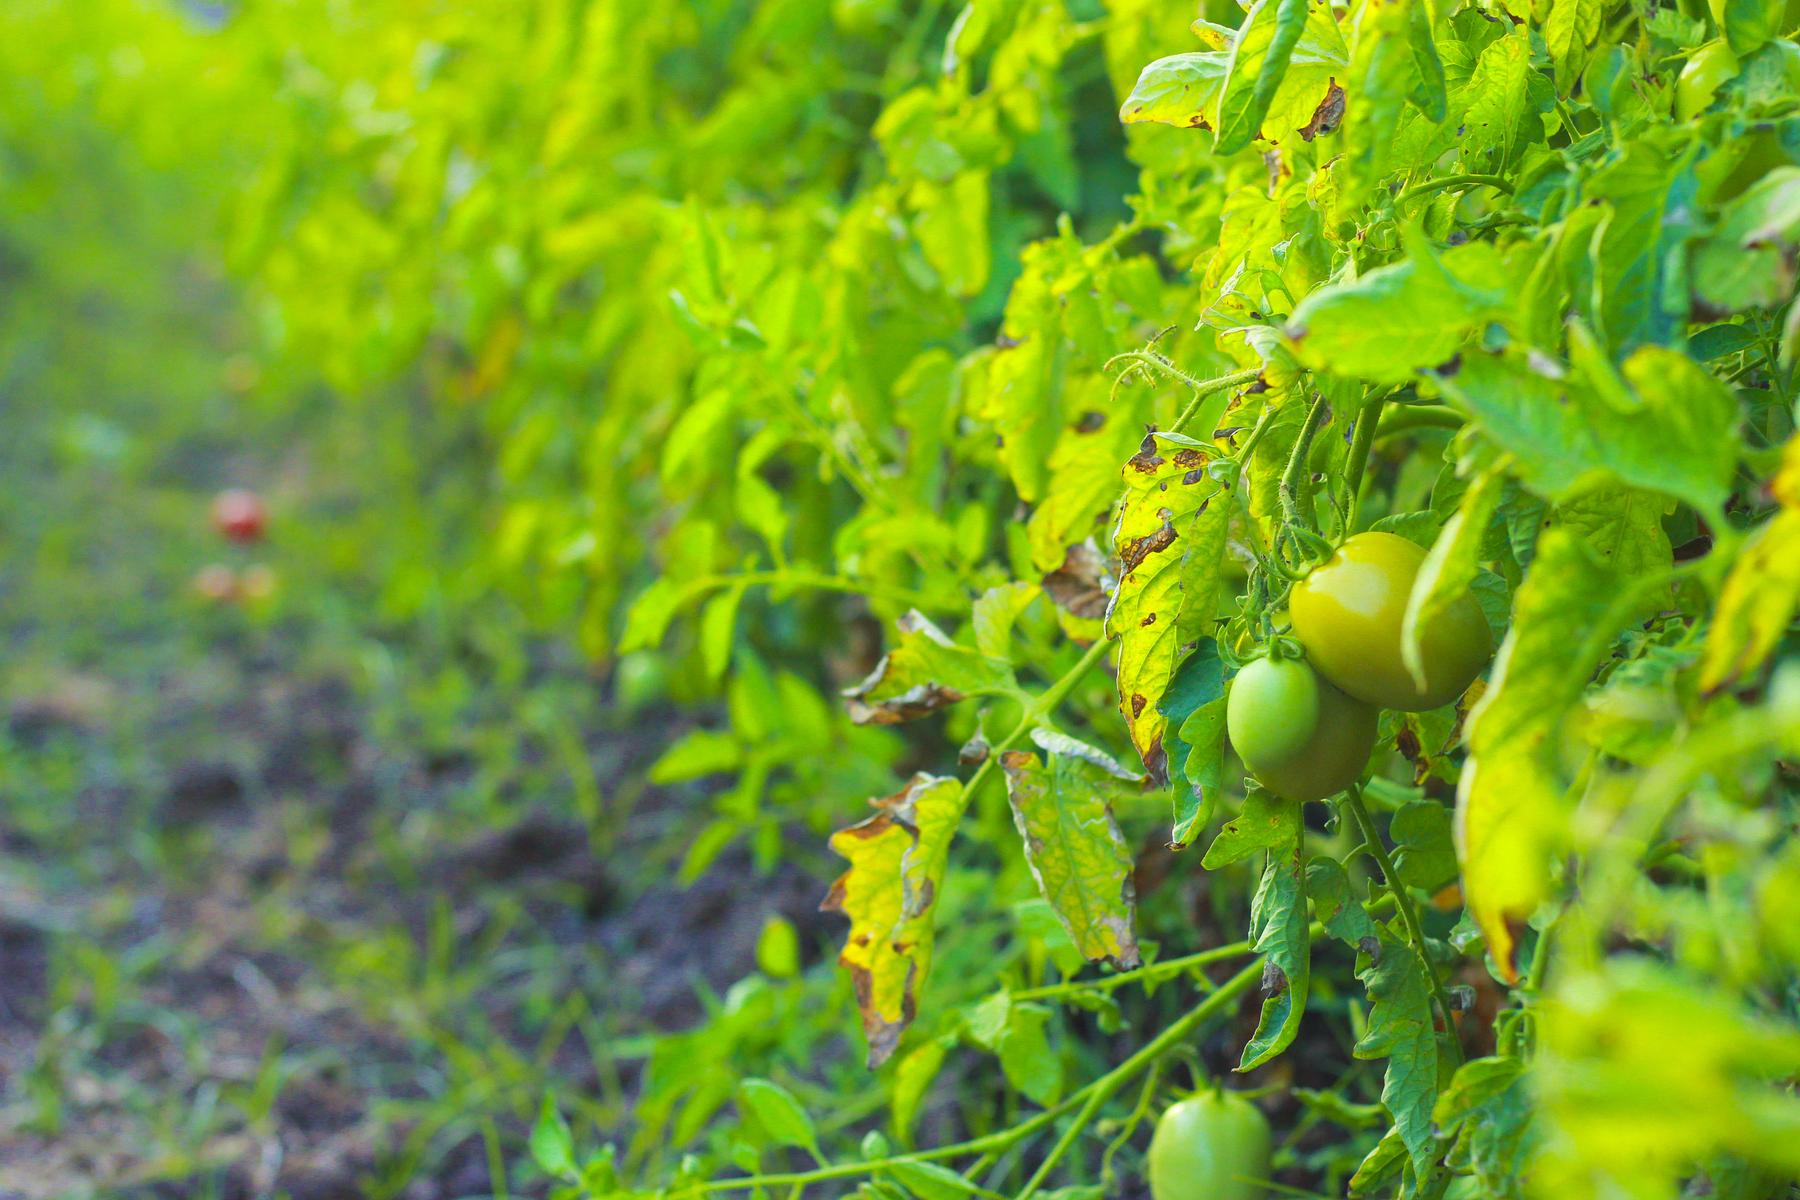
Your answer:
<point x="889" y="892"/>
<point x="1278" y="926"/>
<point x="1401" y="1030"/>
<point x="1063" y="809"/>
<point x="1509" y="808"/>
<point x="924" y="673"/>
<point x="1167" y="487"/>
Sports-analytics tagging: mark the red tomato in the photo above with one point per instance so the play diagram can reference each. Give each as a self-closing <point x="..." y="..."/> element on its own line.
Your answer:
<point x="239" y="515"/>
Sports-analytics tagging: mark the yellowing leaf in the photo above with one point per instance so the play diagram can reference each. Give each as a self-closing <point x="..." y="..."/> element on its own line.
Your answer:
<point x="1182" y="89"/>
<point x="896" y="866"/>
<point x="1082" y="865"/>
<point x="1510" y="813"/>
<point x="1166" y="487"/>
<point x="1758" y="601"/>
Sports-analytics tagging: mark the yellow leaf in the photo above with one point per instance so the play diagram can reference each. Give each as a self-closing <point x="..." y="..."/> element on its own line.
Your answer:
<point x="1756" y="604"/>
<point x="896" y="866"/>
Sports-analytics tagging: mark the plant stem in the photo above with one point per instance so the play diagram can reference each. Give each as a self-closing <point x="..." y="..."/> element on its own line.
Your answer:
<point x="1211" y="387"/>
<point x="1297" y="465"/>
<point x="1419" y="416"/>
<point x="1498" y="182"/>
<point x="824" y="583"/>
<point x="1088" y="1099"/>
<point x="1409" y="913"/>
<point x="1360" y="444"/>
<point x="1155" y="971"/>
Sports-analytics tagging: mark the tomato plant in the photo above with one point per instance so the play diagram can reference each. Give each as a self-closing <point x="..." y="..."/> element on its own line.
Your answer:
<point x="1301" y="737"/>
<point x="941" y="399"/>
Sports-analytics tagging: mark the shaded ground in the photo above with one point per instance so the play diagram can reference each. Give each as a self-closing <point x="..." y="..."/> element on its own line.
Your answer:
<point x="284" y="962"/>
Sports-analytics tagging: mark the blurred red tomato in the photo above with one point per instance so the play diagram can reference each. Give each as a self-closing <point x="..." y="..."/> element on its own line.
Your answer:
<point x="239" y="515"/>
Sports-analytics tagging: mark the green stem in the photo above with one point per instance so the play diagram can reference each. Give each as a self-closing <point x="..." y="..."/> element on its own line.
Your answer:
<point x="1105" y="1086"/>
<point x="821" y="582"/>
<point x="1361" y="442"/>
<point x="1155" y="972"/>
<point x="1409" y="913"/>
<point x="1297" y="465"/>
<point x="1497" y="182"/>
<point x="1208" y="388"/>
<point x="1419" y="416"/>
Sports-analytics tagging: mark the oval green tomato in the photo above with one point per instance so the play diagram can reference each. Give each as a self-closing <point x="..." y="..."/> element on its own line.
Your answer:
<point x="1214" y="1146"/>
<point x="1302" y="738"/>
<point x="1348" y="614"/>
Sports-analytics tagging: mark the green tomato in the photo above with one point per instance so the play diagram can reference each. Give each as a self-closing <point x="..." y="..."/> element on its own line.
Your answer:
<point x="1348" y="615"/>
<point x="1302" y="738"/>
<point x="1213" y="1146"/>
<point x="1700" y="80"/>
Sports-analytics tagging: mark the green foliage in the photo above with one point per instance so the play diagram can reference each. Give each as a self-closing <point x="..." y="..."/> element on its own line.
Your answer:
<point x="781" y="323"/>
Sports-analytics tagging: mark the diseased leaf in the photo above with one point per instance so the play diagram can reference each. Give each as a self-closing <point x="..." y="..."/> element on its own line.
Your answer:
<point x="1266" y="822"/>
<point x="1259" y="59"/>
<point x="1502" y="105"/>
<point x="1621" y="527"/>
<point x="1402" y="1031"/>
<point x="924" y="673"/>
<point x="1083" y="867"/>
<point x="1166" y="486"/>
<point x="896" y="866"/>
<point x="1278" y="926"/>
<point x="1182" y="89"/>
<point x="1509" y="803"/>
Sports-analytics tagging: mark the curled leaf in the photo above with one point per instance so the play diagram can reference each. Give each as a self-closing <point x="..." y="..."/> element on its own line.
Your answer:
<point x="896" y="866"/>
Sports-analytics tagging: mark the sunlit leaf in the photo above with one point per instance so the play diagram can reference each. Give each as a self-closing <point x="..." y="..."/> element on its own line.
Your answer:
<point x="1063" y="808"/>
<point x="889" y="894"/>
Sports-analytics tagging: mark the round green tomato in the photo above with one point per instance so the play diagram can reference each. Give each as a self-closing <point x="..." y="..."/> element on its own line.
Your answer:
<point x="1302" y="738"/>
<point x="1348" y="615"/>
<point x="1213" y="1146"/>
<point x="1700" y="80"/>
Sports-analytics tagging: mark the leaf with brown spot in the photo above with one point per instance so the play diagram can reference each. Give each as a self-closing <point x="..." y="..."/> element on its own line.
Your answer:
<point x="896" y="867"/>
<point x="1083" y="866"/>
<point x="1165" y="499"/>
<point x="924" y="673"/>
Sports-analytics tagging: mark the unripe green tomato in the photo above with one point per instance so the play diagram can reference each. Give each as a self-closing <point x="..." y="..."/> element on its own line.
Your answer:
<point x="1213" y="1146"/>
<point x="1302" y="738"/>
<point x="1706" y="71"/>
<point x="1348" y="614"/>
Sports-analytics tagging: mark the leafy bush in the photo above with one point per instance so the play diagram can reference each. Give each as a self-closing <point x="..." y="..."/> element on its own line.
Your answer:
<point x="774" y="319"/>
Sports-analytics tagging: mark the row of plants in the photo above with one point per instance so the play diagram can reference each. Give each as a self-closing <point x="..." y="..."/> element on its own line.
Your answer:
<point x="1104" y="404"/>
